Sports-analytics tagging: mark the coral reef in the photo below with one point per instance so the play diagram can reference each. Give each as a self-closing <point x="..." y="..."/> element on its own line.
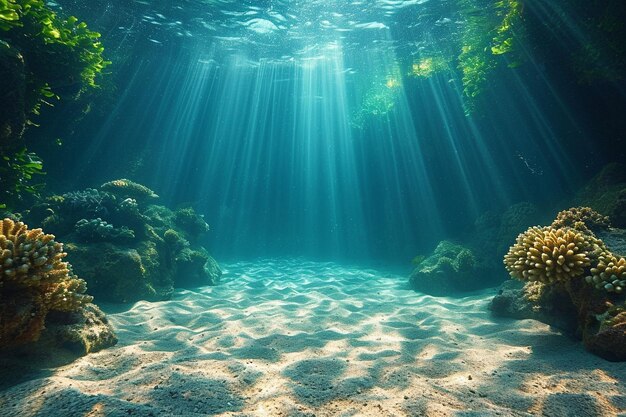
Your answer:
<point x="34" y="282"/>
<point x="606" y="193"/>
<point x="573" y="280"/>
<point x="475" y="264"/>
<point x="582" y="218"/>
<point x="98" y="230"/>
<point x="608" y="274"/>
<point x="188" y="220"/>
<point x="128" y="189"/>
<point x="150" y="250"/>
<point x="116" y="273"/>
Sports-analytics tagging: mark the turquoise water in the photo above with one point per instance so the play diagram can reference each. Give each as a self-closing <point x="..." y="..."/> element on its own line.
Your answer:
<point x="301" y="128"/>
<point x="318" y="151"/>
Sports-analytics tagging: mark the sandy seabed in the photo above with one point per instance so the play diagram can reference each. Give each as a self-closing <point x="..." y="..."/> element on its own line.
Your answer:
<point x="297" y="338"/>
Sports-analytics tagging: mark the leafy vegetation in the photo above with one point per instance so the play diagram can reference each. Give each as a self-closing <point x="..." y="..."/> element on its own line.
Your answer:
<point x="428" y="66"/>
<point x="43" y="58"/>
<point x="20" y="168"/>
<point x="380" y="98"/>
<point x="490" y="36"/>
<point x="488" y="33"/>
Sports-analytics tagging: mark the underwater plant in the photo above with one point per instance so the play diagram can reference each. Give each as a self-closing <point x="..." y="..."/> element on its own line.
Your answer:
<point x="490" y="37"/>
<point x="17" y="171"/>
<point x="43" y="58"/>
<point x="427" y="66"/>
<point x="379" y="99"/>
<point x="489" y="32"/>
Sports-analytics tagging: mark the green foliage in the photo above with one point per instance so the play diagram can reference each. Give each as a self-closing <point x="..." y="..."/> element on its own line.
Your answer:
<point x="58" y="52"/>
<point x="380" y="98"/>
<point x="52" y="58"/>
<point x="18" y="171"/>
<point x="9" y="14"/>
<point x="427" y="66"/>
<point x="489" y="32"/>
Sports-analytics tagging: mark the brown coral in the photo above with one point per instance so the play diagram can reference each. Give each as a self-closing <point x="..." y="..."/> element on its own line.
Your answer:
<point x="584" y="219"/>
<point x="33" y="280"/>
<point x="548" y="255"/>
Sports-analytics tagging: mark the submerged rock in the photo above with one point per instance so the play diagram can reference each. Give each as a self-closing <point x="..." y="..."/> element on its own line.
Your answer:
<point x="450" y="268"/>
<point x="81" y="332"/>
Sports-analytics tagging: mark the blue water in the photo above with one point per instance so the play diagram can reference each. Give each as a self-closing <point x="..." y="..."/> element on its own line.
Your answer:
<point x="253" y="113"/>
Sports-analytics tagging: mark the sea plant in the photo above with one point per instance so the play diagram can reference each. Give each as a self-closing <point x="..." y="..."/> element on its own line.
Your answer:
<point x="17" y="175"/>
<point x="489" y="32"/>
<point x="44" y="57"/>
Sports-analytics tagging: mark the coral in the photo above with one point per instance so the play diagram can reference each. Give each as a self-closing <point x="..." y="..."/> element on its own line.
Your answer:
<point x="128" y="189"/>
<point x="114" y="274"/>
<point x="98" y="230"/>
<point x="87" y="203"/>
<point x="150" y="250"/>
<point x="188" y="220"/>
<point x="584" y="219"/>
<point x="33" y="281"/>
<point x="572" y="280"/>
<point x="548" y="255"/>
<point x="609" y="274"/>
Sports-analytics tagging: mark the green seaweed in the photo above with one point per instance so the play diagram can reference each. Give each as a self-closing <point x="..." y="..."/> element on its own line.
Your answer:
<point x="43" y="58"/>
<point x="490" y="32"/>
<point x="18" y="175"/>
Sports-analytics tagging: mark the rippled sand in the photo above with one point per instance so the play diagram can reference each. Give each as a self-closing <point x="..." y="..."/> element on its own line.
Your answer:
<point x="295" y="338"/>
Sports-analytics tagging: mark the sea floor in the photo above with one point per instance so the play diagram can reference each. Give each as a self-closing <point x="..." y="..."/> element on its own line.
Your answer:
<point x="296" y="338"/>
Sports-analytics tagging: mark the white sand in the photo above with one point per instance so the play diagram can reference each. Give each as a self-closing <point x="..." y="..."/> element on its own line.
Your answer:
<point x="295" y="338"/>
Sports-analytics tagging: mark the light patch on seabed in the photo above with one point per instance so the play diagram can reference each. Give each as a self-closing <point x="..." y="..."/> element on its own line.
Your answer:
<point x="326" y="339"/>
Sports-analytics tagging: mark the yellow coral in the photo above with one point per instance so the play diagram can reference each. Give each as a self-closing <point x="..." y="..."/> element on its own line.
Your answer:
<point x="32" y="271"/>
<point x="584" y="219"/>
<point x="609" y="274"/>
<point x="548" y="255"/>
<point x="128" y="188"/>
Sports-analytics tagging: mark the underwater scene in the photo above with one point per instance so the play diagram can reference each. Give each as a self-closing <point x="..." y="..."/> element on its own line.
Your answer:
<point x="249" y="208"/>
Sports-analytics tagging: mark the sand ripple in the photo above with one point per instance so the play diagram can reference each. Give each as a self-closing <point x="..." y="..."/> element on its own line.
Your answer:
<point x="298" y="338"/>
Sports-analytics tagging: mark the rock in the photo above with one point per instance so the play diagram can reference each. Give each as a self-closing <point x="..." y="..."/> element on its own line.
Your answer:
<point x="80" y="332"/>
<point x="114" y="273"/>
<point x="449" y="269"/>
